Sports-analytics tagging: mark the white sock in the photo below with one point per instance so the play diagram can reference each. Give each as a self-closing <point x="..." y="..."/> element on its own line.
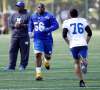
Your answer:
<point x="38" y="69"/>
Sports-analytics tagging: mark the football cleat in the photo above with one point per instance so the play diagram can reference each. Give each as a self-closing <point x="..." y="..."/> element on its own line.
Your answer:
<point x="82" y="83"/>
<point x="84" y="66"/>
<point x="9" y="69"/>
<point x="47" y="65"/>
<point x="21" y="68"/>
<point x="39" y="77"/>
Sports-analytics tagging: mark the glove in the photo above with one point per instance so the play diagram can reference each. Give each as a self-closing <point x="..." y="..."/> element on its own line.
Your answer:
<point x="31" y="34"/>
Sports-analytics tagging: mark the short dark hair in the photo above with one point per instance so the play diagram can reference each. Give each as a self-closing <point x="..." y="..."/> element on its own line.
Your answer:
<point x="41" y="5"/>
<point x="73" y="13"/>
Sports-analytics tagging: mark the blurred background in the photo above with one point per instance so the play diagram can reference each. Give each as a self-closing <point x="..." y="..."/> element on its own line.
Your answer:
<point x="89" y="9"/>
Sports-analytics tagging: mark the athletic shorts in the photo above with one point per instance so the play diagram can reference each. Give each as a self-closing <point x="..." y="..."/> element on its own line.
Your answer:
<point x="43" y="46"/>
<point x="79" y="52"/>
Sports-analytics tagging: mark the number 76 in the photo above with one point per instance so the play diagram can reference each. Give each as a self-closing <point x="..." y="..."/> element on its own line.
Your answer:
<point x="78" y="28"/>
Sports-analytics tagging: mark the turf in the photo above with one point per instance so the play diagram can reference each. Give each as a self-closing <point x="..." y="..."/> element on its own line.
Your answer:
<point x="60" y="77"/>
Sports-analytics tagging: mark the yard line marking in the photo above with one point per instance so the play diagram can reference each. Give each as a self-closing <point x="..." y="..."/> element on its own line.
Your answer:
<point x="90" y="54"/>
<point x="48" y="88"/>
<point x="70" y="80"/>
<point x="53" y="70"/>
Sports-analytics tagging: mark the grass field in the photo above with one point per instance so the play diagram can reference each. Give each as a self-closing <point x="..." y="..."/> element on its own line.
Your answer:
<point x="61" y="75"/>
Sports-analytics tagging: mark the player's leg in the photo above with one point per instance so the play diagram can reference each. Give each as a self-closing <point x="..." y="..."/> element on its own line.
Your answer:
<point x="38" y="50"/>
<point x="47" y="58"/>
<point x="13" y="52"/>
<point x="24" y="51"/>
<point x="79" y="73"/>
<point x="47" y="53"/>
<point x="75" y="52"/>
<point x="38" y="57"/>
<point x="83" y="54"/>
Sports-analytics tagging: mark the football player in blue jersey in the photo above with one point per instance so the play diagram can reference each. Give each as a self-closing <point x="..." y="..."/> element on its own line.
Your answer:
<point x="41" y="26"/>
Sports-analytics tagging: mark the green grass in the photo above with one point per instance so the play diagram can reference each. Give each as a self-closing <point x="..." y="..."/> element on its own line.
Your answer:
<point x="60" y="77"/>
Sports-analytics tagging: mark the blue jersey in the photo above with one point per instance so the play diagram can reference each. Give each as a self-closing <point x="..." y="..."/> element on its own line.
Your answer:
<point x="43" y="25"/>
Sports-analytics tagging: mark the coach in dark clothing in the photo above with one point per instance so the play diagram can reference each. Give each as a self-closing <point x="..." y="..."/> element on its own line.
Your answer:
<point x="20" y="38"/>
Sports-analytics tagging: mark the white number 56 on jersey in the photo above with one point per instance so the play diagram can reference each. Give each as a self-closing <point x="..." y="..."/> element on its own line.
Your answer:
<point x="39" y="26"/>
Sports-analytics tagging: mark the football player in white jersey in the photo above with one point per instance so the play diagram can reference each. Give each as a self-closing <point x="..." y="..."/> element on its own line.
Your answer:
<point x="74" y="33"/>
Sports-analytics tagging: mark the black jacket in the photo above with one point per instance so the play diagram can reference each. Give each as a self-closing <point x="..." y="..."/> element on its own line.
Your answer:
<point x="24" y="19"/>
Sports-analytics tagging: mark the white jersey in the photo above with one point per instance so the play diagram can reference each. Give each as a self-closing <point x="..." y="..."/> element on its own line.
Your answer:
<point x="76" y="31"/>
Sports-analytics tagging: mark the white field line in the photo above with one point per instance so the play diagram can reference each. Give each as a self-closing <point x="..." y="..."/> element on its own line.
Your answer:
<point x="50" y="71"/>
<point x="90" y="54"/>
<point x="50" y="88"/>
<point x="47" y="78"/>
